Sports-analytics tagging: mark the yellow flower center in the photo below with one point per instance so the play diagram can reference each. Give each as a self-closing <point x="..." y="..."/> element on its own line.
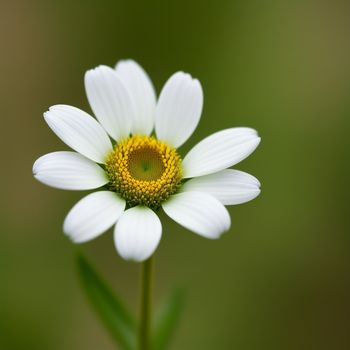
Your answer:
<point x="144" y="170"/>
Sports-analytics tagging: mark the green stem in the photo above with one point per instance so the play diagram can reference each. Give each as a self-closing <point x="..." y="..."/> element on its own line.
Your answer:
<point x="146" y="304"/>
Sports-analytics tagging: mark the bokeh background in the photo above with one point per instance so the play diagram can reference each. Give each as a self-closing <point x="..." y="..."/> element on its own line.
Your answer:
<point x="280" y="278"/>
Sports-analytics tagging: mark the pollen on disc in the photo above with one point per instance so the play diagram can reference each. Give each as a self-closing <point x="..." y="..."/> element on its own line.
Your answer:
<point x="144" y="170"/>
<point x="146" y="164"/>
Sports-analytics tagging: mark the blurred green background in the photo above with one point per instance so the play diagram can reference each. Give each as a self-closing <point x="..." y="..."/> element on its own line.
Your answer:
<point x="280" y="278"/>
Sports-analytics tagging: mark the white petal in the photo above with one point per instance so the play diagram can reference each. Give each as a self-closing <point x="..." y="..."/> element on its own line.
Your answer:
<point x="198" y="212"/>
<point x="93" y="215"/>
<point x="79" y="131"/>
<point x="179" y="109"/>
<point x="69" y="171"/>
<point x="137" y="233"/>
<point x="141" y="90"/>
<point x="110" y="101"/>
<point x="228" y="186"/>
<point x="219" y="151"/>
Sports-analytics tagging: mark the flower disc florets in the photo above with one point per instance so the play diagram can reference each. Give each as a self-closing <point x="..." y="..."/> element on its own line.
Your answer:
<point x="144" y="170"/>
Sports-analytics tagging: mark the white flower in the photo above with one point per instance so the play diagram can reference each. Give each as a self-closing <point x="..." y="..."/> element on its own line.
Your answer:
<point x="136" y="173"/>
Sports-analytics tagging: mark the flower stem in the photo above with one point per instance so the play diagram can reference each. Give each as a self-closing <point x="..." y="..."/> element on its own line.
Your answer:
<point x="146" y="304"/>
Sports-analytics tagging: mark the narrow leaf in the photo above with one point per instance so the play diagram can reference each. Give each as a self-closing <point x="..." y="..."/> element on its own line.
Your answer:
<point x="108" y="306"/>
<point x="167" y="320"/>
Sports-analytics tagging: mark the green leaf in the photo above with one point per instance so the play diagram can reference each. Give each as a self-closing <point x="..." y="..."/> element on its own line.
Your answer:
<point x="167" y="320"/>
<point x="108" y="306"/>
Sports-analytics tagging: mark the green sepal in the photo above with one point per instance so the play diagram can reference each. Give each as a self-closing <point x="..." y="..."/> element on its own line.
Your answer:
<point x="108" y="306"/>
<point x="167" y="320"/>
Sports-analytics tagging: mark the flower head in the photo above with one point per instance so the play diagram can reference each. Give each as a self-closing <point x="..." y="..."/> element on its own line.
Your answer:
<point x="138" y="173"/>
<point x="144" y="171"/>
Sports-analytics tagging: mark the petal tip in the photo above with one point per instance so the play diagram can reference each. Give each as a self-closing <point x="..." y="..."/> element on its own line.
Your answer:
<point x="257" y="192"/>
<point x="126" y="61"/>
<point x="35" y="167"/>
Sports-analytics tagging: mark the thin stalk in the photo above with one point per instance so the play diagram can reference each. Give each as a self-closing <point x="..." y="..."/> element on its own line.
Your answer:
<point x="146" y="304"/>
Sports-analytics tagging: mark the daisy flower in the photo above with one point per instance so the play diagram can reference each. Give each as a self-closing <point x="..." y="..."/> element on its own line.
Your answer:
<point x="136" y="171"/>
